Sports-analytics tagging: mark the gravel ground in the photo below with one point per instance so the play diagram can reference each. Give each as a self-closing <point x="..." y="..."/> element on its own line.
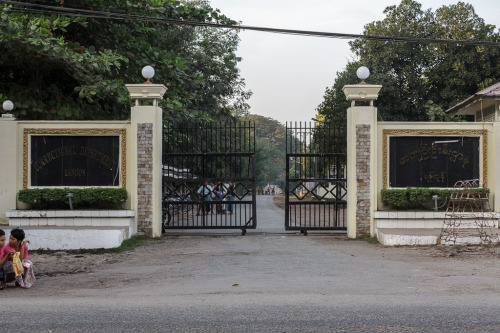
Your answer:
<point x="266" y="281"/>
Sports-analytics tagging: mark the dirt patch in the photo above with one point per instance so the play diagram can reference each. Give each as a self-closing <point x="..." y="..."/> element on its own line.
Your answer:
<point x="182" y="261"/>
<point x="63" y="263"/>
<point x="279" y="201"/>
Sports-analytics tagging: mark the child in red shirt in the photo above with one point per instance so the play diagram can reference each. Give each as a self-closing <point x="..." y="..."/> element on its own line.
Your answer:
<point x="18" y="244"/>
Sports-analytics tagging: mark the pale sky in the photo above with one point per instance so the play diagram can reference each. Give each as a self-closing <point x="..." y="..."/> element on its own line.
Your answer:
<point x="287" y="74"/>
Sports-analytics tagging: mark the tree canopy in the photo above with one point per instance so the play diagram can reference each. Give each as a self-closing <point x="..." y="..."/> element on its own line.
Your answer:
<point x="419" y="80"/>
<point x="270" y="150"/>
<point x="74" y="67"/>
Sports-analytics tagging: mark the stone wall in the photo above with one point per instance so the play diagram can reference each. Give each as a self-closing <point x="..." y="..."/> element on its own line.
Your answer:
<point x="144" y="178"/>
<point x="363" y="180"/>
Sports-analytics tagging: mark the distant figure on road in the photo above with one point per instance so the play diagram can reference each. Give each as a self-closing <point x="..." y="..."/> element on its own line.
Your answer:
<point x="219" y="194"/>
<point x="230" y="197"/>
<point x="205" y="192"/>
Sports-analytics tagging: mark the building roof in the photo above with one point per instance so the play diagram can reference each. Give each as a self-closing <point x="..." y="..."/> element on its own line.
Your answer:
<point x="492" y="92"/>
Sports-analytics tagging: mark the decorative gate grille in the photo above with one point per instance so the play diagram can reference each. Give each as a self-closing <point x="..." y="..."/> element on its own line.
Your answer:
<point x="195" y="153"/>
<point x="316" y="183"/>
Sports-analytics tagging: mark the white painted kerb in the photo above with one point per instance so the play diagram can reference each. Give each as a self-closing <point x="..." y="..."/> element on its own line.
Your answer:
<point x="73" y="229"/>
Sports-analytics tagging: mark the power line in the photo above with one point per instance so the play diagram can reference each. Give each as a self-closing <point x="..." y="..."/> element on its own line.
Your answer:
<point x="96" y="14"/>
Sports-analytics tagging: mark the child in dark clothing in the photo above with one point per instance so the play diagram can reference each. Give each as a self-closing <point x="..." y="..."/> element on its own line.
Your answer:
<point x="4" y="258"/>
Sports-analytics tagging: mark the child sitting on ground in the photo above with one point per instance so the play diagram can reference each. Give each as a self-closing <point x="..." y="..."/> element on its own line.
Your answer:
<point x="4" y="258"/>
<point x="18" y="244"/>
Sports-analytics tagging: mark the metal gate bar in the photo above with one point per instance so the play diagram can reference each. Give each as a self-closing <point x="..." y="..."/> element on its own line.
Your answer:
<point x="316" y="183"/>
<point x="220" y="152"/>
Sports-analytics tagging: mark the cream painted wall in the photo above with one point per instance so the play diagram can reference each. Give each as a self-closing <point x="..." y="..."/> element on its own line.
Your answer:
<point x="12" y="159"/>
<point x="356" y="115"/>
<point x="8" y="166"/>
<point x="493" y="163"/>
<point x="11" y="155"/>
<point x="149" y="114"/>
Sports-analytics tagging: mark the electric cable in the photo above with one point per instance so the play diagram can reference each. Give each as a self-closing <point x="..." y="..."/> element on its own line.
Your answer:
<point x="97" y="14"/>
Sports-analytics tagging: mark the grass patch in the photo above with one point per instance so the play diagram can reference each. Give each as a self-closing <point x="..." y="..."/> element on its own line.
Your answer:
<point x="279" y="201"/>
<point x="370" y="240"/>
<point x="132" y="243"/>
<point x="127" y="245"/>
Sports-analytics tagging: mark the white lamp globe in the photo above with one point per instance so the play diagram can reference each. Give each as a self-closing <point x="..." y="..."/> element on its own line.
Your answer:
<point x="148" y="72"/>
<point x="8" y="105"/>
<point x="363" y="73"/>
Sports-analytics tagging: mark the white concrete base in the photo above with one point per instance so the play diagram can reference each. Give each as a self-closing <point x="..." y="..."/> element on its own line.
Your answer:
<point x="73" y="238"/>
<point x="424" y="228"/>
<point x="416" y="237"/>
<point x="412" y="237"/>
<point x="429" y="220"/>
<point x="72" y="218"/>
<point x="73" y="229"/>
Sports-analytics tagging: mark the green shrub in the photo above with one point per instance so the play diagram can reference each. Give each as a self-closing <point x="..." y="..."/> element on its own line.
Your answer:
<point x="83" y="198"/>
<point x="414" y="198"/>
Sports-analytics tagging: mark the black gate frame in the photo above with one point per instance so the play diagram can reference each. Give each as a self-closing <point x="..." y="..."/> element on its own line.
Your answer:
<point x="194" y="152"/>
<point x="317" y="153"/>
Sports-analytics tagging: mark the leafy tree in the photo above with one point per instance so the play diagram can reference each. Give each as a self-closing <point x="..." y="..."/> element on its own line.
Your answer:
<point x="436" y="113"/>
<point x="419" y="81"/>
<point x="56" y="67"/>
<point x="461" y="71"/>
<point x="270" y="150"/>
<point x="333" y="108"/>
<point x="402" y="64"/>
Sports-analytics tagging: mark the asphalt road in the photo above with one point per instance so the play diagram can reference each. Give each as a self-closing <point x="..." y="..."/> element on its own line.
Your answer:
<point x="267" y="281"/>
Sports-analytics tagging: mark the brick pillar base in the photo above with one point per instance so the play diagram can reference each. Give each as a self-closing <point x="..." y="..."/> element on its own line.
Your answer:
<point x="363" y="203"/>
<point x="144" y="178"/>
<point x="361" y="159"/>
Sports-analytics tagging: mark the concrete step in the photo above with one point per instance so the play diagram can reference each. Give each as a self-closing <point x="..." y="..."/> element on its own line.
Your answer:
<point x="476" y="236"/>
<point x="425" y="236"/>
<point x="433" y="223"/>
<point x="433" y="220"/>
<point x="413" y="236"/>
<point x="73" y="219"/>
<point x="72" y="238"/>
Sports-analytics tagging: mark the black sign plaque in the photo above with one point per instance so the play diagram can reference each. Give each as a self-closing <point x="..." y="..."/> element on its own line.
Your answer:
<point x="432" y="161"/>
<point x="75" y="160"/>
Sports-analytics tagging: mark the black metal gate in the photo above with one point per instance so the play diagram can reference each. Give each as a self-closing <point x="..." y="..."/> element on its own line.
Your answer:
<point x="209" y="176"/>
<point x="316" y="183"/>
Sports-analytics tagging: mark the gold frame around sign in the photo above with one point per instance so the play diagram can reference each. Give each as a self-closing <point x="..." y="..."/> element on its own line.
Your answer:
<point x="406" y="132"/>
<point x="76" y="131"/>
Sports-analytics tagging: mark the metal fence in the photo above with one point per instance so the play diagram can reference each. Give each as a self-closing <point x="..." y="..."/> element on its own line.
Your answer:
<point x="196" y="158"/>
<point x="316" y="179"/>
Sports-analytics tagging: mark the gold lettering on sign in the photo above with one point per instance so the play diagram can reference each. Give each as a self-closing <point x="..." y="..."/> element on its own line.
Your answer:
<point x="52" y="155"/>
<point x="482" y="134"/>
<point x="425" y="153"/>
<point x="98" y="156"/>
<point x="74" y="173"/>
<point x="432" y="177"/>
<point x="121" y="132"/>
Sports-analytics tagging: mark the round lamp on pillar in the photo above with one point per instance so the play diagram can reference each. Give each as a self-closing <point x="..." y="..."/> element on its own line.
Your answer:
<point x="361" y="91"/>
<point x="147" y="91"/>
<point x="8" y="106"/>
<point x="363" y="73"/>
<point x="148" y="72"/>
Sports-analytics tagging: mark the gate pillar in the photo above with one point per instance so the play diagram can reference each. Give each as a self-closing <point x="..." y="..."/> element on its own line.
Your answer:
<point x="8" y="158"/>
<point x="146" y="168"/>
<point x="361" y="159"/>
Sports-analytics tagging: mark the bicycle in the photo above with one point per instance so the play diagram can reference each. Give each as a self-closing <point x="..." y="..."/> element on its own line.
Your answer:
<point x="169" y="209"/>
